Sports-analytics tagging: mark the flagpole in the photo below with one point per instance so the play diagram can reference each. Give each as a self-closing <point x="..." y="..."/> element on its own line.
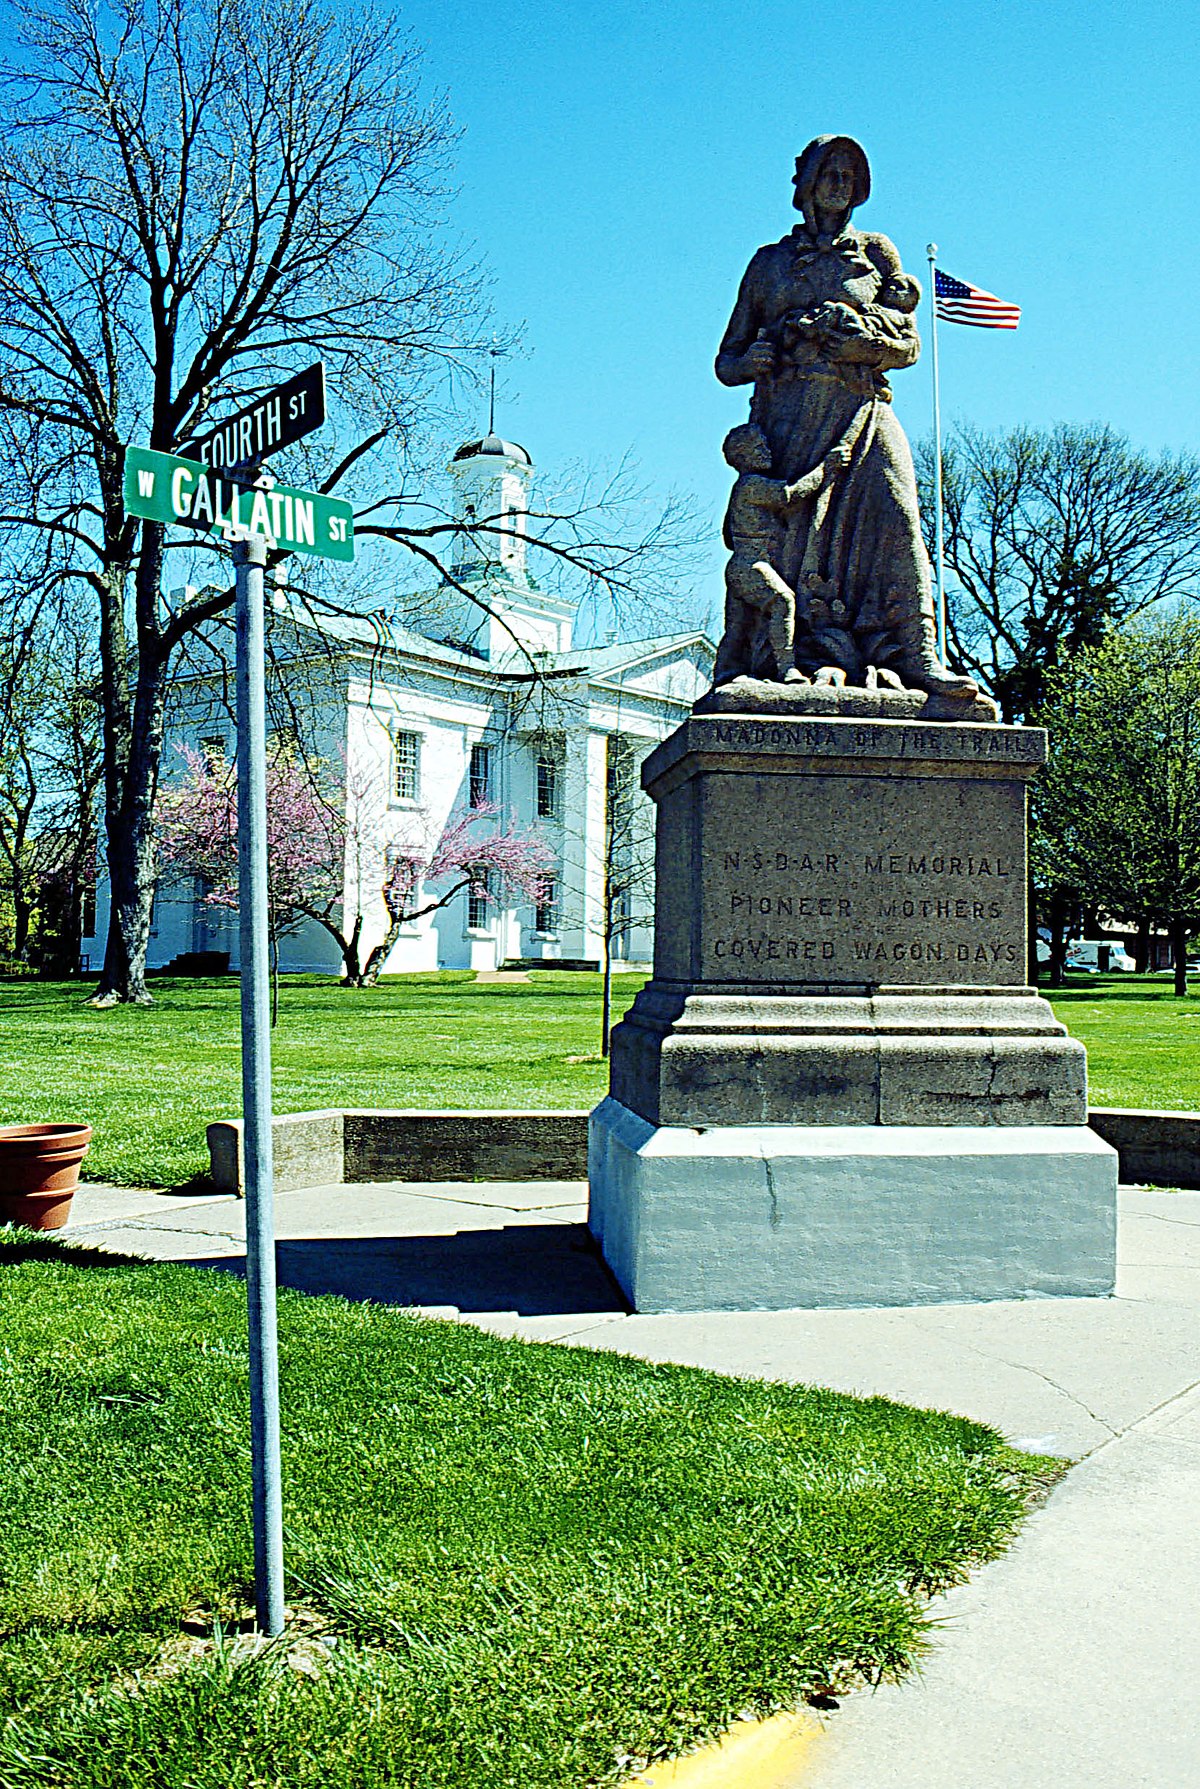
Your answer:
<point x="931" y="250"/>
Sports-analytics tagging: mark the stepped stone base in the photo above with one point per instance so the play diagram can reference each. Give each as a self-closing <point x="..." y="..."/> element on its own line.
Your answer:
<point x="772" y="1217"/>
<point x="937" y="1056"/>
<point x="838" y="1089"/>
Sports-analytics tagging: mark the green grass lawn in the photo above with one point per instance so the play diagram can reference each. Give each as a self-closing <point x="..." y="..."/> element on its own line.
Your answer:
<point x="1143" y="1044"/>
<point x="516" y="1564"/>
<point x="149" y="1080"/>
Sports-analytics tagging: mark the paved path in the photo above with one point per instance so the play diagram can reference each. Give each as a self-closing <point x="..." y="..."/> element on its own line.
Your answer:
<point x="1072" y="1661"/>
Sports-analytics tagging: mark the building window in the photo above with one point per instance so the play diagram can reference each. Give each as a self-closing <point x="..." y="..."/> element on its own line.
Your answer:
<point x="407" y="782"/>
<point x="545" y="914"/>
<point x="549" y="787"/>
<point x="481" y="776"/>
<point x="479" y="903"/>
<point x="213" y="753"/>
<point x="620" y="918"/>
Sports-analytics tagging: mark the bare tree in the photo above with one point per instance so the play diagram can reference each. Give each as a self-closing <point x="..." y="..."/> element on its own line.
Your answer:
<point x="191" y="191"/>
<point x="194" y="194"/>
<point x="1052" y="536"/>
<point x="627" y="882"/>
<point x="50" y="766"/>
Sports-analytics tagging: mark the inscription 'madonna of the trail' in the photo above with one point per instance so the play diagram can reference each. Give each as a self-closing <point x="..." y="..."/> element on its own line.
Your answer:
<point x="911" y="743"/>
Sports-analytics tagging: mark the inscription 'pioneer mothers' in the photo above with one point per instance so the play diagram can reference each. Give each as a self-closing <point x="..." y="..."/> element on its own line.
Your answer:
<point x="815" y="882"/>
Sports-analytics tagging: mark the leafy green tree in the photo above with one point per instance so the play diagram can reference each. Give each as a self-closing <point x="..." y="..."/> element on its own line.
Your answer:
<point x="1118" y="809"/>
<point x="1052" y="537"/>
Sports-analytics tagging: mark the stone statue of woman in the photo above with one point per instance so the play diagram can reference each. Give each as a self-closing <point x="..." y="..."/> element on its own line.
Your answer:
<point x="820" y="320"/>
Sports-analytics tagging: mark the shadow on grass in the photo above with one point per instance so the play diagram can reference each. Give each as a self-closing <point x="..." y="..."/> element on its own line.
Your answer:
<point x="18" y="1244"/>
<point x="195" y="1186"/>
<point x="1118" y="988"/>
<point x="536" y="1270"/>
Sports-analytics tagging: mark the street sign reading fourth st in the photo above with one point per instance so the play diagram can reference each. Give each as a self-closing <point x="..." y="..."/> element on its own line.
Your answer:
<point x="284" y="415"/>
<point x="161" y="487"/>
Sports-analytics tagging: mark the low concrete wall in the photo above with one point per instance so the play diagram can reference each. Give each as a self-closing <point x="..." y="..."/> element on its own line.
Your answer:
<point x="465" y="1145"/>
<point x="328" y="1148"/>
<point x="1155" y="1148"/>
<point x="307" y="1147"/>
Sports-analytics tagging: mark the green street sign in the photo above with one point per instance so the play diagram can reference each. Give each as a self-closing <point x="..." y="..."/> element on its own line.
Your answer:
<point x="187" y="493"/>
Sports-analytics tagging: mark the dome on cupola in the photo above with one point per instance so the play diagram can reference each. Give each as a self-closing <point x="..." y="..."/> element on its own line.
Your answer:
<point x="494" y="446"/>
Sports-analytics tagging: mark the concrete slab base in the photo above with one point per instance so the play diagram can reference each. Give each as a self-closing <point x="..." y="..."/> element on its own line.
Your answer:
<point x="774" y="1217"/>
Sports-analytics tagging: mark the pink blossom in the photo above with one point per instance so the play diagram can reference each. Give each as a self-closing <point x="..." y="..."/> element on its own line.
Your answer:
<point x="306" y="851"/>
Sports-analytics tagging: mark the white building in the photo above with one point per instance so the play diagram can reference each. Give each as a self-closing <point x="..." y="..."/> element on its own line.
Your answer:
<point x="490" y="706"/>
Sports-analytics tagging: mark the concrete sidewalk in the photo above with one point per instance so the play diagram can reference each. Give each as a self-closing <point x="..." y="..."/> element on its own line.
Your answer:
<point x="1071" y="1661"/>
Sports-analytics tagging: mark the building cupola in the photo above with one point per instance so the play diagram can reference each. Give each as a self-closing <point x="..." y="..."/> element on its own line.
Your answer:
<point x="492" y="478"/>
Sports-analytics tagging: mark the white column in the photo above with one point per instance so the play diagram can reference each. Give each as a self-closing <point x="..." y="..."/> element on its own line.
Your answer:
<point x="580" y="892"/>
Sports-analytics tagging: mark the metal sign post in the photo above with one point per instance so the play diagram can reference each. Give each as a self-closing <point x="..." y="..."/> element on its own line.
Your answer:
<point x="214" y="488"/>
<point x="249" y="557"/>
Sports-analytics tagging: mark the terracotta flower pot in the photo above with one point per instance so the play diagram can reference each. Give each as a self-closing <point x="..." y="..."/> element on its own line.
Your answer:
<point x="39" y="1171"/>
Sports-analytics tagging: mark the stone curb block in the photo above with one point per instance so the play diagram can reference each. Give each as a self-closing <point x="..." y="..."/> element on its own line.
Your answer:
<point x="1155" y="1148"/>
<point x="768" y="1754"/>
<point x="335" y="1147"/>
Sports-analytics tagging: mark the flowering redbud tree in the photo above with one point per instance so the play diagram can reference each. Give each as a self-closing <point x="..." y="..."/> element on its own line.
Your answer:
<point x="308" y="837"/>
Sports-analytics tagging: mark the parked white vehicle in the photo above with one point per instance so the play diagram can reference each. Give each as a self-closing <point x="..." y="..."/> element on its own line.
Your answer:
<point x="1099" y="956"/>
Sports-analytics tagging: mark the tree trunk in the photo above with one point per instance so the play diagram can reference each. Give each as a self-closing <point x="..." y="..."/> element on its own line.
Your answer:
<point x="22" y="921"/>
<point x="1059" y="923"/>
<point x="1178" y="935"/>
<point x="379" y="955"/>
<point x="71" y="941"/>
<point x="351" y="965"/>
<point x="606" y="996"/>
<point x="1141" y="948"/>
<point x="133" y="742"/>
<point x="131" y="886"/>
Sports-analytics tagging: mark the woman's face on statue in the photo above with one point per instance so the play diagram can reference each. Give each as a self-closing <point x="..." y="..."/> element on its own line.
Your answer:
<point x="833" y="188"/>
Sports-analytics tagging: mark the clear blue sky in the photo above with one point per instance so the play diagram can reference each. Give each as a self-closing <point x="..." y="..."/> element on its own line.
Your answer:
<point x="621" y="161"/>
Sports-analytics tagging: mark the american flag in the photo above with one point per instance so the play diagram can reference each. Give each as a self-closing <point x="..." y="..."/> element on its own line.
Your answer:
<point x="957" y="302"/>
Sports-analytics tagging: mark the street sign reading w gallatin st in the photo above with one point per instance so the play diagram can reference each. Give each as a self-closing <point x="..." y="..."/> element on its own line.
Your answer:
<point x="161" y="487"/>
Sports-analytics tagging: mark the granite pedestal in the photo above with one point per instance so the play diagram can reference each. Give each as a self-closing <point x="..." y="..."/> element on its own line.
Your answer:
<point x="837" y="1088"/>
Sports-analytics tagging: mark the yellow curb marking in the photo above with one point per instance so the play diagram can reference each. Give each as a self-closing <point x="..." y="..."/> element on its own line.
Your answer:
<point x="752" y="1755"/>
